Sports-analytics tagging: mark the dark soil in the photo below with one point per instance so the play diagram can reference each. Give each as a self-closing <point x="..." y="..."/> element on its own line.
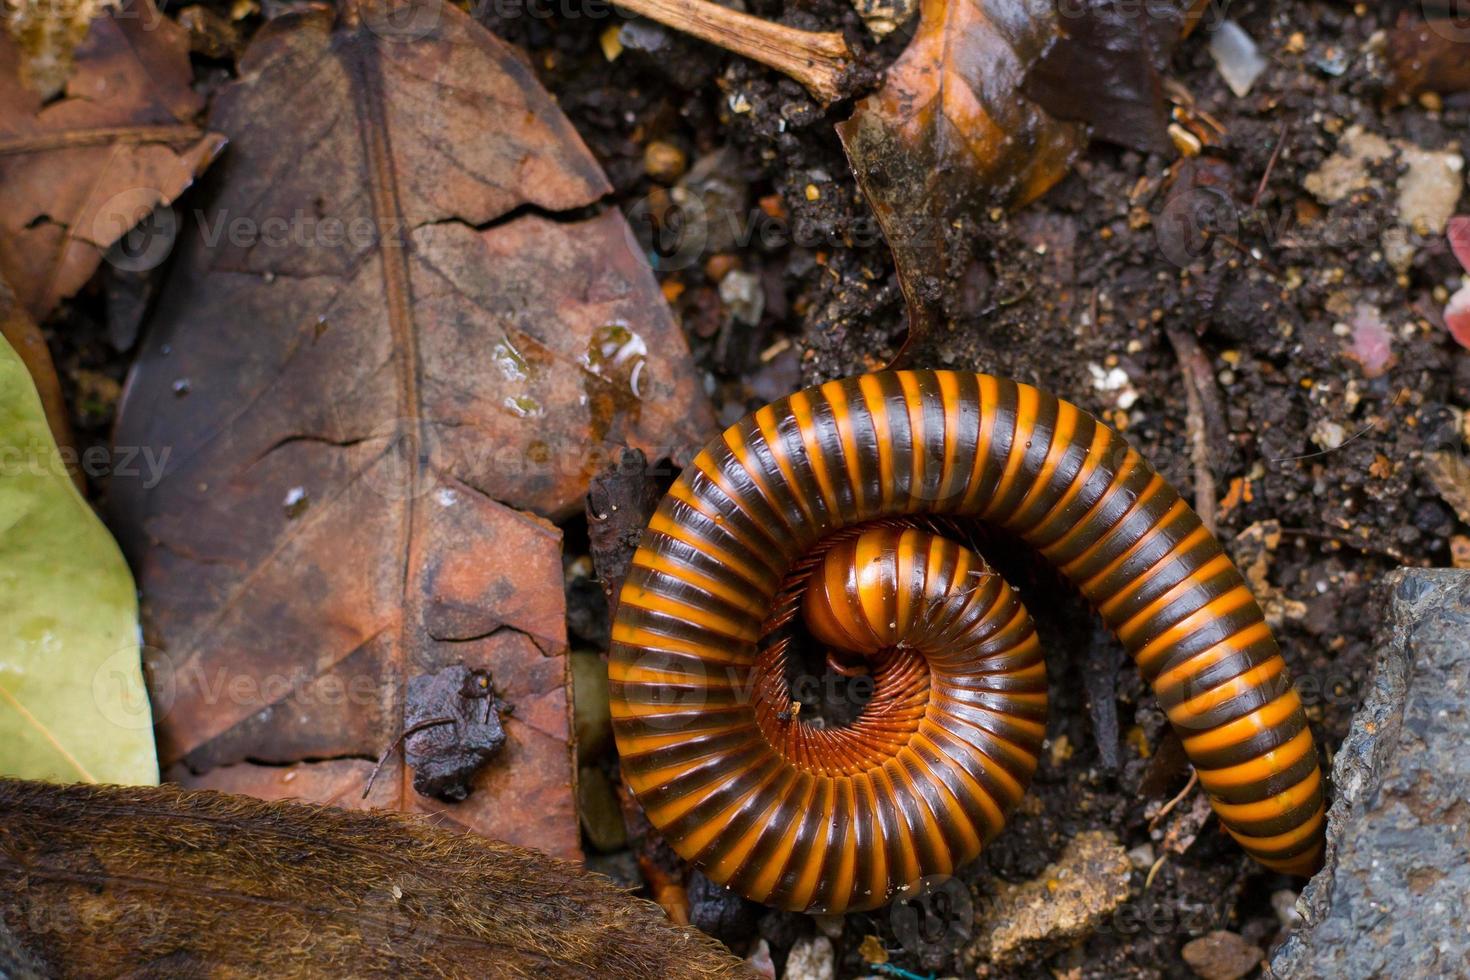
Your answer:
<point x="1080" y="282"/>
<point x="1082" y="279"/>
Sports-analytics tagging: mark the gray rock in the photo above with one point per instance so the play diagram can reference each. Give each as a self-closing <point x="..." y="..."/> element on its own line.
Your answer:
<point x="1391" y="901"/>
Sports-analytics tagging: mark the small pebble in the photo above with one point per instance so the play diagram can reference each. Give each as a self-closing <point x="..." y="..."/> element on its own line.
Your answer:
<point x="1237" y="58"/>
<point x="760" y="960"/>
<point x="811" y="959"/>
<point x="597" y="804"/>
<point x="664" y="162"/>
<point x="1221" y="955"/>
<point x="1284" y="903"/>
<point x="612" y="42"/>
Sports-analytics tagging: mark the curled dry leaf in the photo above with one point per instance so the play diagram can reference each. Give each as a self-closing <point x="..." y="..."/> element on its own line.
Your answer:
<point x="79" y="173"/>
<point x="173" y="883"/>
<point x="394" y="332"/>
<point x="72" y="703"/>
<point x="950" y="134"/>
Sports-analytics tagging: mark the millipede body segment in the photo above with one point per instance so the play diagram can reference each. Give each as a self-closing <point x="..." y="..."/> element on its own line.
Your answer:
<point x="835" y="500"/>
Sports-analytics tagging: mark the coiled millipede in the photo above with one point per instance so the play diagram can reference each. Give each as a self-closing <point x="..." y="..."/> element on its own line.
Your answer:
<point x="830" y="500"/>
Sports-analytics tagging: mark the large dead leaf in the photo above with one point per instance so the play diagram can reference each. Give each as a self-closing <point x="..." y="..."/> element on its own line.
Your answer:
<point x="360" y="401"/>
<point x="98" y="881"/>
<point x="78" y="173"/>
<point x="949" y="134"/>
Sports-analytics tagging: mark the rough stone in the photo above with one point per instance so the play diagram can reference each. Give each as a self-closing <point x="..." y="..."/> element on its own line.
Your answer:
<point x="811" y="959"/>
<point x="1390" y="901"/>
<point x="1429" y="188"/>
<point x="1346" y="170"/>
<point x="1062" y="906"/>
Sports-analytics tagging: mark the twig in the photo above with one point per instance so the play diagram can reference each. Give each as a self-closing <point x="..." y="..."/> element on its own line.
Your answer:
<point x="1363" y="547"/>
<point x="1191" y="359"/>
<point x="816" y="59"/>
<point x="427" y="723"/>
<point x="1169" y="807"/>
<point x="1271" y="164"/>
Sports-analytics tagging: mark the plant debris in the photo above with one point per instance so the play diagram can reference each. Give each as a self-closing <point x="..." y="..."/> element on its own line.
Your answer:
<point x="78" y="173"/>
<point x="950" y="136"/>
<point x="1106" y="68"/>
<point x="452" y="730"/>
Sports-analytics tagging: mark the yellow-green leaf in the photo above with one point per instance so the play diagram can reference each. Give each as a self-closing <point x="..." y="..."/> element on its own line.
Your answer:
<point x="72" y="702"/>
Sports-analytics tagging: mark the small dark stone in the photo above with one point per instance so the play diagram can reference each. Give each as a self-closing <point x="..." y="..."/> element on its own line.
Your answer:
<point x="782" y="930"/>
<point x="720" y="912"/>
<point x="452" y="726"/>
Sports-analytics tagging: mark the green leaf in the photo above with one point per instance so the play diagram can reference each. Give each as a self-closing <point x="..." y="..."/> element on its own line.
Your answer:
<point x="73" y="707"/>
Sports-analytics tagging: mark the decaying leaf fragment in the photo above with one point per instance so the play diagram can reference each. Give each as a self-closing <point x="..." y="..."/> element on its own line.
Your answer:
<point x="1105" y="68"/>
<point x="950" y="134"/>
<point x="393" y="336"/>
<point x="79" y="173"/>
<point x="72" y="703"/>
<point x="161" y="882"/>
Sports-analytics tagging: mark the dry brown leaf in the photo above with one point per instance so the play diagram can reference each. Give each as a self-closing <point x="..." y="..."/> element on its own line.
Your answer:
<point x="160" y="882"/>
<point x="950" y="135"/>
<point x="384" y="343"/>
<point x="78" y="173"/>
